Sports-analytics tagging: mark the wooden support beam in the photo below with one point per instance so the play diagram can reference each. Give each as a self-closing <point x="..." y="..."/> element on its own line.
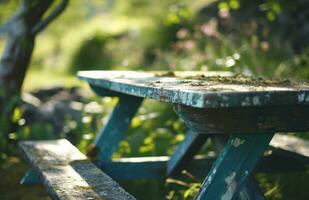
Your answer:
<point x="185" y="151"/>
<point x="135" y="168"/>
<point x="155" y="167"/>
<point x="30" y="178"/>
<point x="251" y="189"/>
<point x="107" y="140"/>
<point x="233" y="166"/>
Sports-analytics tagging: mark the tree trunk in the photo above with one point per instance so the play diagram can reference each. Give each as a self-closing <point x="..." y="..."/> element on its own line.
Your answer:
<point x="21" y="30"/>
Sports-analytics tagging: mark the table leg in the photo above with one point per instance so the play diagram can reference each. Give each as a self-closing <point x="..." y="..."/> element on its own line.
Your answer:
<point x="251" y="190"/>
<point x="188" y="148"/>
<point x="185" y="152"/>
<point x="119" y="121"/>
<point x="30" y="178"/>
<point x="233" y="166"/>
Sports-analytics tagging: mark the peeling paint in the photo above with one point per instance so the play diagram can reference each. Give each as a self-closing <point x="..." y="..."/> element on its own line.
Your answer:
<point x="256" y="100"/>
<point x="301" y="97"/>
<point x="246" y="102"/>
<point x="236" y="142"/>
<point x="231" y="186"/>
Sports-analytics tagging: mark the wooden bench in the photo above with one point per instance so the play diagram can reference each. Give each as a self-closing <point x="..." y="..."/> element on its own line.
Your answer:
<point x="68" y="174"/>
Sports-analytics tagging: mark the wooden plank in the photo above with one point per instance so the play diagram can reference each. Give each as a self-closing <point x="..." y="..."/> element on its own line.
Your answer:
<point x="68" y="174"/>
<point x="185" y="151"/>
<point x="291" y="146"/>
<point x="107" y="140"/>
<point x="233" y="166"/>
<point x="155" y="167"/>
<point x="251" y="189"/>
<point x="135" y="168"/>
<point x="245" y="119"/>
<point x="201" y="89"/>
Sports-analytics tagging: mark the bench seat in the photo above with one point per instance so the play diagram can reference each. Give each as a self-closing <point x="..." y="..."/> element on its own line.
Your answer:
<point x="68" y="174"/>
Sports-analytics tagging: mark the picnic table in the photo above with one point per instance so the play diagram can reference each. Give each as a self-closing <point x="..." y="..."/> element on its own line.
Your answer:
<point x="240" y="113"/>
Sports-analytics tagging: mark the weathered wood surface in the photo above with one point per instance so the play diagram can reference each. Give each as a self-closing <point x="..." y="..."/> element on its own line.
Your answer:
<point x="155" y="167"/>
<point x="233" y="166"/>
<point x="107" y="140"/>
<point x="291" y="143"/>
<point x="245" y="119"/>
<point x="251" y="190"/>
<point x="185" y="151"/>
<point x="68" y="174"/>
<point x="291" y="147"/>
<point x="201" y="89"/>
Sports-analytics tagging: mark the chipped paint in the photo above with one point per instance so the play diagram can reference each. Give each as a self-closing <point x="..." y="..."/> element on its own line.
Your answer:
<point x="219" y="94"/>
<point x="237" y="142"/>
<point x="256" y="101"/>
<point x="301" y="97"/>
<point x="246" y="102"/>
<point x="231" y="186"/>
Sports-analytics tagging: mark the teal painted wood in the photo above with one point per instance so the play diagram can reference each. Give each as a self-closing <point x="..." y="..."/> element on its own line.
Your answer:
<point x="155" y="167"/>
<point x="135" y="168"/>
<point x="185" y="151"/>
<point x="30" y="178"/>
<point x="233" y="166"/>
<point x="119" y="121"/>
<point x="251" y="189"/>
<point x="197" y="93"/>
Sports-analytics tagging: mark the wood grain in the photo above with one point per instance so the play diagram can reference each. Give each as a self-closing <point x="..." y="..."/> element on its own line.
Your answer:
<point x="189" y="89"/>
<point x="68" y="174"/>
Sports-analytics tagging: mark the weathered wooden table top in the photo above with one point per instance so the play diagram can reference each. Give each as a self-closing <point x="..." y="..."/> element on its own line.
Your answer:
<point x="202" y="89"/>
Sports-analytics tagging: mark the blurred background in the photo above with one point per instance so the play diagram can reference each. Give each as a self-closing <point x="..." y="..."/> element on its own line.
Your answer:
<point x="263" y="37"/>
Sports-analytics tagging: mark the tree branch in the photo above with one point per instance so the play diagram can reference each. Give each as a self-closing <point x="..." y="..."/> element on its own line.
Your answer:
<point x="43" y="23"/>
